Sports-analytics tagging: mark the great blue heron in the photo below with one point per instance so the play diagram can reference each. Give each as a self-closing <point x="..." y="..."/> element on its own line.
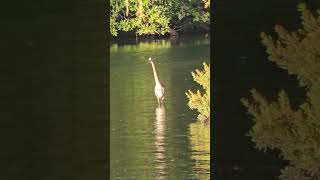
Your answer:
<point x="158" y="89"/>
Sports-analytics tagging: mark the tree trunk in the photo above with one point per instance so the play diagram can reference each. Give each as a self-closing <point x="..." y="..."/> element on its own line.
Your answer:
<point x="127" y="8"/>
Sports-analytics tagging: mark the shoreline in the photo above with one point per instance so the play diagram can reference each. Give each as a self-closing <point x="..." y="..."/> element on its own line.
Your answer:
<point x="129" y="37"/>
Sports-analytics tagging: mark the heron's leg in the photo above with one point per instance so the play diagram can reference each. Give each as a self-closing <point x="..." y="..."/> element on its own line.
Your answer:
<point x="158" y="100"/>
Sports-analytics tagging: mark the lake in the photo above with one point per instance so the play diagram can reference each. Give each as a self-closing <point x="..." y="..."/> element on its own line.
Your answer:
<point x="147" y="141"/>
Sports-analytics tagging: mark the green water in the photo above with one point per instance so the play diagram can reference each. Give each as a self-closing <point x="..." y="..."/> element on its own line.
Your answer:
<point x="147" y="141"/>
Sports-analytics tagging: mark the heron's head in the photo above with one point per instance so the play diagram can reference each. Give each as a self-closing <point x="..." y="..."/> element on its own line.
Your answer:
<point x="150" y="60"/>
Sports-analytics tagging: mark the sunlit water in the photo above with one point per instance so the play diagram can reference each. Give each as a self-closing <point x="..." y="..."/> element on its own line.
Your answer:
<point x="150" y="141"/>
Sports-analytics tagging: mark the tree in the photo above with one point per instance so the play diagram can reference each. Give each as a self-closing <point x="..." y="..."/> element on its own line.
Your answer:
<point x="293" y="131"/>
<point x="145" y="17"/>
<point x="188" y="14"/>
<point x="141" y="16"/>
<point x="198" y="100"/>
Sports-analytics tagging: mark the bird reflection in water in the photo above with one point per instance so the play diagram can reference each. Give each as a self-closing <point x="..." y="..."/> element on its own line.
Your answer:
<point x="159" y="131"/>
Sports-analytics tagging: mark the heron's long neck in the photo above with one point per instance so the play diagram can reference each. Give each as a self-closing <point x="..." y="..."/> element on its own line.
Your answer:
<point x="156" y="79"/>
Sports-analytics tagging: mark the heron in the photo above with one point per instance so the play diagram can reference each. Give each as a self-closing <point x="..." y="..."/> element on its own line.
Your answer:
<point x="158" y="89"/>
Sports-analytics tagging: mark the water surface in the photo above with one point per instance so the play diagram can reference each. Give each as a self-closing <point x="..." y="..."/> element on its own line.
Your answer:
<point x="150" y="141"/>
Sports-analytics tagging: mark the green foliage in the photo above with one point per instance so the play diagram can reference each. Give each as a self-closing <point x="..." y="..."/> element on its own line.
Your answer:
<point x="199" y="101"/>
<point x="142" y="16"/>
<point x="190" y="13"/>
<point x="146" y="17"/>
<point x="295" y="132"/>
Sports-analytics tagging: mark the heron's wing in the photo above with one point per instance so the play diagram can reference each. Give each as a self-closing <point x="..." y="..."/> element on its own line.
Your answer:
<point x="162" y="91"/>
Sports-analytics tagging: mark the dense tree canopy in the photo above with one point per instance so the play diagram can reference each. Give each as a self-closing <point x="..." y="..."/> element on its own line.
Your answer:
<point x="145" y="17"/>
<point x="293" y="131"/>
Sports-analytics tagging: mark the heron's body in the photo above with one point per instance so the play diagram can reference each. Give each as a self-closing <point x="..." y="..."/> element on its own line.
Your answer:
<point x="158" y="89"/>
<point x="159" y="92"/>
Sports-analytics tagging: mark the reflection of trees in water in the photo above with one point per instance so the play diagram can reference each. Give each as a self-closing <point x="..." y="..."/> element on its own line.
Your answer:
<point x="157" y="45"/>
<point x="160" y="158"/>
<point x="142" y="46"/>
<point x="200" y="145"/>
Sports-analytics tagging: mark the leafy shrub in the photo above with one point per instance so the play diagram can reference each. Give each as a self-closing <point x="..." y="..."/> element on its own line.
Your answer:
<point x="201" y="101"/>
<point x="293" y="131"/>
